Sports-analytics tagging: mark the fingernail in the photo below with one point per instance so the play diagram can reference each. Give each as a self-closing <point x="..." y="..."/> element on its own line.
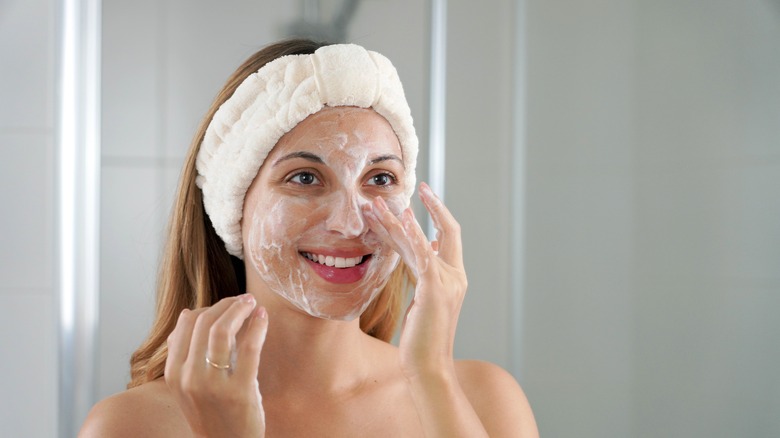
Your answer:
<point x="247" y="298"/>
<point x="426" y="190"/>
<point x="261" y="313"/>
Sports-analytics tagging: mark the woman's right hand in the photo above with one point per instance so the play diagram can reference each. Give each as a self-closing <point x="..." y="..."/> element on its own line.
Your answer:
<point x="221" y="398"/>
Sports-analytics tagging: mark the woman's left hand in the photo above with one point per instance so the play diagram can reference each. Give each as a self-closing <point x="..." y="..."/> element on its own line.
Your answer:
<point x="428" y="333"/>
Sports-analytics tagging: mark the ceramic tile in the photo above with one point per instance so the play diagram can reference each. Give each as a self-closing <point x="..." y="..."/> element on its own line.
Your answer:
<point x="27" y="69"/>
<point x="28" y="333"/>
<point x="130" y="245"/>
<point x="27" y="247"/>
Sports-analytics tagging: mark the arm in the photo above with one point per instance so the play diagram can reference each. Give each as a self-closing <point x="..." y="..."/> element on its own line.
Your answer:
<point x="147" y="410"/>
<point x="427" y="338"/>
<point x="500" y="402"/>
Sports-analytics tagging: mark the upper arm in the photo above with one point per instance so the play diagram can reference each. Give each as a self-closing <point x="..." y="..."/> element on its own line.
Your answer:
<point x="137" y="412"/>
<point x="497" y="399"/>
<point x="110" y="418"/>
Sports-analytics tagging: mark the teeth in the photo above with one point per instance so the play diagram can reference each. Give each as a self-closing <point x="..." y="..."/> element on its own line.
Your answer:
<point x="338" y="262"/>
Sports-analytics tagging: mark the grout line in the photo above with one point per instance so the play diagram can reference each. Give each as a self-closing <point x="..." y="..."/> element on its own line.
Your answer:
<point x="128" y="161"/>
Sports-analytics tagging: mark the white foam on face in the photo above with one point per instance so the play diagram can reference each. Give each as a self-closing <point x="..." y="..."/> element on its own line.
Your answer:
<point x="283" y="224"/>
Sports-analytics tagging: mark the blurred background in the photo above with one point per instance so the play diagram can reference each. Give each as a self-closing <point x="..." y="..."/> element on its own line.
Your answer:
<point x="614" y="164"/>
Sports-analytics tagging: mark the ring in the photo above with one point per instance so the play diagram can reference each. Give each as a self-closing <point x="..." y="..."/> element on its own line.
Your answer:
<point x="216" y="365"/>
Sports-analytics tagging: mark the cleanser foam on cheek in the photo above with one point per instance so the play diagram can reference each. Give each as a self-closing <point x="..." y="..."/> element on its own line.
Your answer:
<point x="273" y="244"/>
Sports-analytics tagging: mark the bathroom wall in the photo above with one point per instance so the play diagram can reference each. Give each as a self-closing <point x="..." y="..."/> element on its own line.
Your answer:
<point x="653" y="230"/>
<point x="28" y="301"/>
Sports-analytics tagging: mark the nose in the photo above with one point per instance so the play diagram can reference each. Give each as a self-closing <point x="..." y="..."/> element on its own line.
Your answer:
<point x="345" y="217"/>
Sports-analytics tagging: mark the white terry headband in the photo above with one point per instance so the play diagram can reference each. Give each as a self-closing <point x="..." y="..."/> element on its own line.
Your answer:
<point x="272" y="101"/>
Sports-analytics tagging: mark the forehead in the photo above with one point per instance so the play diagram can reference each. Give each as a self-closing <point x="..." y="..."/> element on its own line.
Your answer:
<point x="355" y="131"/>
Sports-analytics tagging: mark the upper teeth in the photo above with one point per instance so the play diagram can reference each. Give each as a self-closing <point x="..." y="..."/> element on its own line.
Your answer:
<point x="339" y="262"/>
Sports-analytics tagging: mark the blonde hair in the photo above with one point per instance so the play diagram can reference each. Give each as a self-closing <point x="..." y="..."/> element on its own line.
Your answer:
<point x="196" y="269"/>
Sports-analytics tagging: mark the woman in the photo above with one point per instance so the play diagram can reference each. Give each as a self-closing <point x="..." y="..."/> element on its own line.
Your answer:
<point x="296" y="192"/>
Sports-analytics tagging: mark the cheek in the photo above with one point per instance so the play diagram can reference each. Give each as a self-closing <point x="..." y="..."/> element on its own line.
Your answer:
<point x="272" y="228"/>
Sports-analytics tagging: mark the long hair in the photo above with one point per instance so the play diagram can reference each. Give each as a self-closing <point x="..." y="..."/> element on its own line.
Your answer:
<point x="196" y="269"/>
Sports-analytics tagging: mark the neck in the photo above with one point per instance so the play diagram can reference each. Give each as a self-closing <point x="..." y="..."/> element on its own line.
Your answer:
<point x="305" y="354"/>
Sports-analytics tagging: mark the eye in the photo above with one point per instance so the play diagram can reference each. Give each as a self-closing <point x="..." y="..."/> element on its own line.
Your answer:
<point x="305" y="178"/>
<point x="381" y="179"/>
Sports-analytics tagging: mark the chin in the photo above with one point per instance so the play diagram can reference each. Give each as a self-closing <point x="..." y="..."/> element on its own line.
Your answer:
<point x="336" y="306"/>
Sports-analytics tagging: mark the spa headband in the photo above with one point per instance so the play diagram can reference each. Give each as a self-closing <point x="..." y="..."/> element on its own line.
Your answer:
<point x="271" y="102"/>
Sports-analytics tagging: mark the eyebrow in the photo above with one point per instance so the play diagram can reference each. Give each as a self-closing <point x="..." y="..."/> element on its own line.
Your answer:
<point x="385" y="158"/>
<point x="316" y="159"/>
<point x="305" y="155"/>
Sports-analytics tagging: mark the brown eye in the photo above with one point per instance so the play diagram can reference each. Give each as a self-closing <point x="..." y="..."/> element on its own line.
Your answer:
<point x="381" y="179"/>
<point x="305" y="178"/>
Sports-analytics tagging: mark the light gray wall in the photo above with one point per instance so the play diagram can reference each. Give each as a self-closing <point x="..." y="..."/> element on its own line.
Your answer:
<point x="653" y="220"/>
<point x="707" y="185"/>
<point x="478" y="179"/>
<point x="580" y="218"/>
<point x="28" y="316"/>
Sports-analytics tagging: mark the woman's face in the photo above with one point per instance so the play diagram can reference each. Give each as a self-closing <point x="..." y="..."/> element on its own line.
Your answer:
<point x="303" y="230"/>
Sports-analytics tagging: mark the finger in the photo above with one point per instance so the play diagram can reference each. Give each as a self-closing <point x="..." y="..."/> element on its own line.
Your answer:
<point x="250" y="342"/>
<point x="423" y="252"/>
<point x="200" y="334"/>
<point x="222" y="333"/>
<point x="435" y="246"/>
<point x="376" y="225"/>
<point x="398" y="238"/>
<point x="179" y="343"/>
<point x="448" y="230"/>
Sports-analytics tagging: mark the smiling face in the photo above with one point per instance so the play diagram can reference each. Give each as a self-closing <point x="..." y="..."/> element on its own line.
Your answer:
<point x="305" y="238"/>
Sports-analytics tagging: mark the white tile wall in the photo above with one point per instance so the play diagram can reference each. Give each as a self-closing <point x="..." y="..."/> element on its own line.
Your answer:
<point x="203" y="43"/>
<point x="131" y="208"/>
<point x="27" y="67"/>
<point x="28" y="407"/>
<point x="26" y="175"/>
<point x="131" y="95"/>
<point x="28" y="316"/>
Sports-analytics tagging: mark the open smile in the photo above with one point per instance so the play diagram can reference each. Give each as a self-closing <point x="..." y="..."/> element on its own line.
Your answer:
<point x="336" y="269"/>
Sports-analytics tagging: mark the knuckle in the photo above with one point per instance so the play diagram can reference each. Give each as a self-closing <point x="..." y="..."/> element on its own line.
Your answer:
<point x="219" y="332"/>
<point x="189" y="384"/>
<point x="253" y="347"/>
<point x="171" y="374"/>
<point x="203" y="320"/>
<point x="463" y="284"/>
<point x="186" y="315"/>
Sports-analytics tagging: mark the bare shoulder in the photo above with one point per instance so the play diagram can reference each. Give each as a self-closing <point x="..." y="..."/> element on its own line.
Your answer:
<point x="497" y="398"/>
<point x="148" y="410"/>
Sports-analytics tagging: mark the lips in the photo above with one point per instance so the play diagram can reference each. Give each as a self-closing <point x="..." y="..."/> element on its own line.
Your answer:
<point x="339" y="269"/>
